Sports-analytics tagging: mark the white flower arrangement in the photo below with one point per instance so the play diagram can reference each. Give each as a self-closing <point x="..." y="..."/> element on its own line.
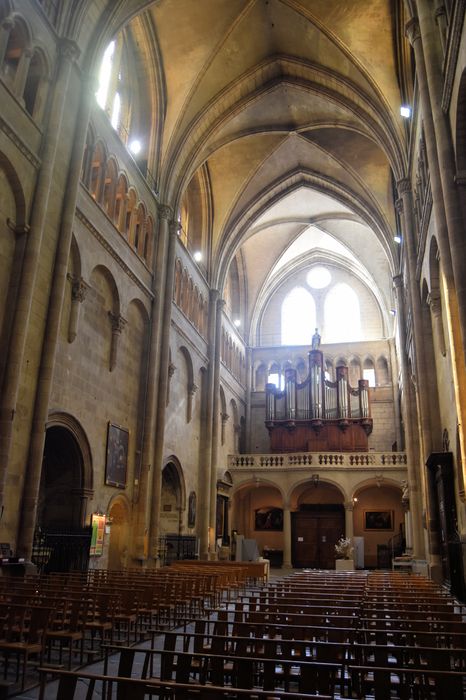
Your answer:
<point x="344" y="548"/>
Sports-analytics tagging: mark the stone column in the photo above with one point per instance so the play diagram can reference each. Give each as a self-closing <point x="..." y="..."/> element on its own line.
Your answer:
<point x="349" y="526"/>
<point x="215" y="357"/>
<point x="145" y="485"/>
<point x="52" y="330"/>
<point x="408" y="520"/>
<point x="287" y="564"/>
<point x="249" y="388"/>
<point x="20" y="325"/>
<point x="395" y="391"/>
<point x="427" y="45"/>
<point x="206" y="436"/>
<point x="410" y="423"/>
<point x="451" y="265"/>
<point x="78" y="293"/>
<point x="167" y="297"/>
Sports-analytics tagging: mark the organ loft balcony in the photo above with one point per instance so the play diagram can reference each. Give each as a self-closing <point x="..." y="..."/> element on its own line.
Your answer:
<point x="320" y="425"/>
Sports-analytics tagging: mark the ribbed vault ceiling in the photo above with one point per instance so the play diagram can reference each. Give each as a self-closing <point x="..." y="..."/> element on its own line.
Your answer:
<point x="292" y="108"/>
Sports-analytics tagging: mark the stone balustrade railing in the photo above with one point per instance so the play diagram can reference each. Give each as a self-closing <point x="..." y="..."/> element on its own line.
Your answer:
<point x="303" y="460"/>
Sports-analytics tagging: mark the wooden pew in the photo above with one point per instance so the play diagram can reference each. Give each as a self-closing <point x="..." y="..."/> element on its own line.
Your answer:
<point x="141" y="689"/>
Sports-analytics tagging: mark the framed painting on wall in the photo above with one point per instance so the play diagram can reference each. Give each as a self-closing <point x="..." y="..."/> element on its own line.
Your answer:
<point x="117" y="456"/>
<point x="378" y="519"/>
<point x="268" y="519"/>
<point x="192" y="509"/>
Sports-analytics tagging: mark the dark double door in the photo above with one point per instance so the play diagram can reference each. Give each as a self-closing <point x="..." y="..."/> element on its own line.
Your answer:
<point x="314" y="532"/>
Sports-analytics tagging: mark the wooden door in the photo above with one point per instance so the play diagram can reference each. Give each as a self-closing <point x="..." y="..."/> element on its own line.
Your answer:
<point x="314" y="533"/>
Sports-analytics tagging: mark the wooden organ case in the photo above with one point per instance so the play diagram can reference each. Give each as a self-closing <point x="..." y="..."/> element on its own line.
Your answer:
<point x="318" y="415"/>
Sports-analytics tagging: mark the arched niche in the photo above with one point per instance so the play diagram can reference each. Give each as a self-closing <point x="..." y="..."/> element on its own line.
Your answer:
<point x="118" y="518"/>
<point x="378" y="518"/>
<point x="173" y="498"/>
<point x="317" y="523"/>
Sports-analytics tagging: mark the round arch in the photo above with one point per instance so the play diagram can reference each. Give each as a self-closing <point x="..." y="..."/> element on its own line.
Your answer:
<point x="71" y="424"/>
<point x="118" y="518"/>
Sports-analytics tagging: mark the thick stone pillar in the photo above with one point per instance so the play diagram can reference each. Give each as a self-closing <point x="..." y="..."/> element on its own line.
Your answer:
<point x="165" y="214"/>
<point x="410" y="424"/>
<point x="405" y="207"/>
<point x="249" y="388"/>
<point x="349" y="526"/>
<point x="144" y="488"/>
<point x="408" y="519"/>
<point x="205" y="469"/>
<point x="32" y="255"/>
<point x="395" y="390"/>
<point x="20" y="326"/>
<point x="30" y="496"/>
<point x="287" y="564"/>
<point x="429" y="46"/>
<point x="456" y="314"/>
<point x="215" y="356"/>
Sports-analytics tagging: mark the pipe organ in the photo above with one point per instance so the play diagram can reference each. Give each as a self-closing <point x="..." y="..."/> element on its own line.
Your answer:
<point x="317" y="414"/>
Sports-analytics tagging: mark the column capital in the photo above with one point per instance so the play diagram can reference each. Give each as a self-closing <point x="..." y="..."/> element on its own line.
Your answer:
<point x="224" y="417"/>
<point x="171" y="369"/>
<point x="349" y="506"/>
<point x="434" y="301"/>
<point x="460" y="178"/>
<point x="192" y="388"/>
<point x="69" y="49"/>
<point x="214" y="295"/>
<point x="174" y="227"/>
<point x="398" y="281"/>
<point x="412" y="30"/>
<point x="440" y="12"/>
<point x="117" y="321"/>
<point x="403" y="186"/>
<point x="78" y="288"/>
<point x="8" y="24"/>
<point x="165" y="211"/>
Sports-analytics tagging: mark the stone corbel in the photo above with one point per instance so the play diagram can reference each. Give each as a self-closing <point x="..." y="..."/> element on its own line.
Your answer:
<point x="435" y="304"/>
<point x="118" y="323"/>
<point x="78" y="293"/>
<point x="192" y="388"/>
<point x="224" y="417"/>
<point x="171" y="372"/>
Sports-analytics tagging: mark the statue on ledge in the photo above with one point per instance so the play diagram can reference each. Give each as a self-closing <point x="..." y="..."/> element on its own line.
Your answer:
<point x="315" y="343"/>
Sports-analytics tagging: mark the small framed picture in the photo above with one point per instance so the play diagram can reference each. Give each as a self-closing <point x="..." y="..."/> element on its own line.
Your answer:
<point x="268" y="519"/>
<point x="117" y="456"/>
<point x="378" y="519"/>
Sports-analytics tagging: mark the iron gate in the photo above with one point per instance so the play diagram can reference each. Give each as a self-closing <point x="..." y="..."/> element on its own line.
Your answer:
<point x="56" y="550"/>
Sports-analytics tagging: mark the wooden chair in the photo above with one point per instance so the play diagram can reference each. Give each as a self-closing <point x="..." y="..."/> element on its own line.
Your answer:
<point x="69" y="630"/>
<point x="24" y="636"/>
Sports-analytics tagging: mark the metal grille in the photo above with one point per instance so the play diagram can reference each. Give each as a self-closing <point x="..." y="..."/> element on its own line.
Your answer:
<point x="56" y="550"/>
